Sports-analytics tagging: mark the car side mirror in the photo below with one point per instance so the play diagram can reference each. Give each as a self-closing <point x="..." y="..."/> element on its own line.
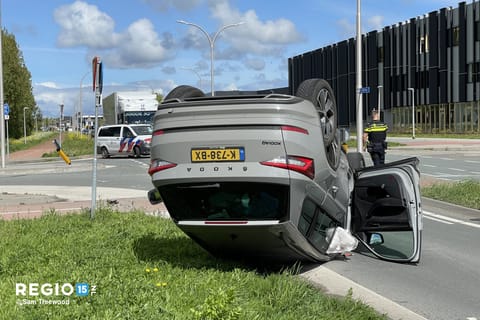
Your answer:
<point x="375" y="239"/>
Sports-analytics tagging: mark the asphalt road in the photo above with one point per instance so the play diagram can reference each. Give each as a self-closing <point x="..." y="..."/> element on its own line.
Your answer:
<point x="444" y="285"/>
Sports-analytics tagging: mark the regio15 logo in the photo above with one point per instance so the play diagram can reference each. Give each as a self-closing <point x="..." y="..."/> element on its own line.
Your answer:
<point x="57" y="289"/>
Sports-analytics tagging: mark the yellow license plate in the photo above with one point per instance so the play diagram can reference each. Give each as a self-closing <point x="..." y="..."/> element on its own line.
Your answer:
<point x="218" y="154"/>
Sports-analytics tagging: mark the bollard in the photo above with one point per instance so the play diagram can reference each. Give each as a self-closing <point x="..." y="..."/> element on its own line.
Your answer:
<point x="61" y="153"/>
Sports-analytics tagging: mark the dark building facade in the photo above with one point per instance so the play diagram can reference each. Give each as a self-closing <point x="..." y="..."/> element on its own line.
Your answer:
<point x="433" y="59"/>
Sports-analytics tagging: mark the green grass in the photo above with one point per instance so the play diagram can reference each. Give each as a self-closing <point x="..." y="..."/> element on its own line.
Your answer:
<point x="145" y="268"/>
<point x="32" y="140"/>
<point x="74" y="145"/>
<point x="465" y="193"/>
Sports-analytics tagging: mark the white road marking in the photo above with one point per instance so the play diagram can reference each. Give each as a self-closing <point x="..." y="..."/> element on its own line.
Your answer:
<point x="471" y="318"/>
<point x="438" y="220"/>
<point x="472" y="161"/>
<point x="429" y="165"/>
<point x="453" y="220"/>
<point x="456" y="169"/>
<point x="448" y="159"/>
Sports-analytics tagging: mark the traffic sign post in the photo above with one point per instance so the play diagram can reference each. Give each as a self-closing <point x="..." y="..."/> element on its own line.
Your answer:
<point x="6" y="116"/>
<point x="97" y="72"/>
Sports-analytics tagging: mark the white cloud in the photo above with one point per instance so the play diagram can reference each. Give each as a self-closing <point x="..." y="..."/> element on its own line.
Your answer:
<point x="255" y="36"/>
<point x="139" y="46"/>
<point x="375" y="23"/>
<point x="345" y="28"/>
<point x="164" y="5"/>
<point x="48" y="84"/>
<point x="255" y="64"/>
<point x="83" y="24"/>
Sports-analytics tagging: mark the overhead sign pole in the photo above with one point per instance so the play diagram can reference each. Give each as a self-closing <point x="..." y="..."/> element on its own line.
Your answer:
<point x="97" y="88"/>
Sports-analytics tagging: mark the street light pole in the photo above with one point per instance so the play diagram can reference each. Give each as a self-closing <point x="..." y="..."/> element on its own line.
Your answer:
<point x="378" y="89"/>
<point x="80" y="114"/>
<point x="24" y="125"/>
<point x="413" y="111"/>
<point x="211" y="41"/>
<point x="198" y="75"/>
<point x="358" y="72"/>
<point x="60" y="123"/>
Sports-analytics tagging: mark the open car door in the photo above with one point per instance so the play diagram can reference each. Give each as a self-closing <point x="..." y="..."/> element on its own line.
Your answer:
<point x="386" y="210"/>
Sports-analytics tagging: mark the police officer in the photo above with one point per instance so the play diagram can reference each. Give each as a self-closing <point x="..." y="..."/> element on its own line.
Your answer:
<point x="374" y="138"/>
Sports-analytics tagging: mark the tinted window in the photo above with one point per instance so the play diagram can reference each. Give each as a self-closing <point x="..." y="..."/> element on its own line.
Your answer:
<point x="226" y="201"/>
<point x="127" y="133"/>
<point x="314" y="224"/>
<point x="109" y="132"/>
<point x="142" y="130"/>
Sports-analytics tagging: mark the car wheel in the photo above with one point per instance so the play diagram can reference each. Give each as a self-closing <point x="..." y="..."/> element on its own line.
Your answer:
<point x="319" y="92"/>
<point x="136" y="152"/>
<point x="105" y="153"/>
<point x="332" y="152"/>
<point x="184" y="91"/>
<point x="355" y="160"/>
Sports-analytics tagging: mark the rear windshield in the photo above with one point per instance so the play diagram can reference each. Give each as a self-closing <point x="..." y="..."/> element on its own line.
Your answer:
<point x="226" y="201"/>
<point x="142" y="130"/>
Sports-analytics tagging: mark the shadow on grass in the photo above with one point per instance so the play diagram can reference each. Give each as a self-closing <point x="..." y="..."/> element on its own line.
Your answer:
<point x="185" y="253"/>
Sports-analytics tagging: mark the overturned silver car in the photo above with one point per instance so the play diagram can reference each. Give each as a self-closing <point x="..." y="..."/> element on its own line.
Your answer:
<point x="264" y="176"/>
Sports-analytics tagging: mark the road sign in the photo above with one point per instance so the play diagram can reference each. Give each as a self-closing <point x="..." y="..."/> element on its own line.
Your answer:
<point x="6" y="117"/>
<point x="6" y="109"/>
<point x="365" y="90"/>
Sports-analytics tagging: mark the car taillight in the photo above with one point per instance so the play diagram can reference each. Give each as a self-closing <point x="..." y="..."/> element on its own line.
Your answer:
<point x="158" y="132"/>
<point x="295" y="129"/>
<point x="299" y="164"/>
<point x="157" y="165"/>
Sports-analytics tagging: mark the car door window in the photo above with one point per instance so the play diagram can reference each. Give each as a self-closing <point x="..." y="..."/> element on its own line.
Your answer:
<point x="315" y="224"/>
<point x="127" y="133"/>
<point x="115" y="131"/>
<point x="386" y="214"/>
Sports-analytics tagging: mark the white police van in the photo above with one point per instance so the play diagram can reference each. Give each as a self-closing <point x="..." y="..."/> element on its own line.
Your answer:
<point x="124" y="139"/>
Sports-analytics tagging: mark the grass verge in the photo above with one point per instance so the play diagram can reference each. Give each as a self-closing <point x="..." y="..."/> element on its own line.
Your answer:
<point x="74" y="145"/>
<point x="32" y="140"/>
<point x="465" y="193"/>
<point x="144" y="267"/>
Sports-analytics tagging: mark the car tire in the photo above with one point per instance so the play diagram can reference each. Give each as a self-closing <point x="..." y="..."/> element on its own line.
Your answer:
<point x="356" y="160"/>
<point x="105" y="153"/>
<point x="136" y="152"/>
<point x="332" y="151"/>
<point x="184" y="91"/>
<point x="319" y="92"/>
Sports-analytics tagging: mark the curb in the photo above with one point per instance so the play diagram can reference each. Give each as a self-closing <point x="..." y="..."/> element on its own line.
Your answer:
<point x="335" y="284"/>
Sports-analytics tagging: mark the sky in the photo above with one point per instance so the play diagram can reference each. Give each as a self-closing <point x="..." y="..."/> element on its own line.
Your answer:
<point x="143" y="47"/>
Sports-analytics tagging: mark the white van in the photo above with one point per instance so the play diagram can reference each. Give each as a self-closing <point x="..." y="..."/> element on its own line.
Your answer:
<point x="124" y="139"/>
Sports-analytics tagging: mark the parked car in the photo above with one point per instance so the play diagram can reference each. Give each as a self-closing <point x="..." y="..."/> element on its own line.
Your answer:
<point x="123" y="139"/>
<point x="263" y="176"/>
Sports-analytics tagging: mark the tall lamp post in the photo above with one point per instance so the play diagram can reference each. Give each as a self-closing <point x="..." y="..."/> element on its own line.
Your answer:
<point x="24" y="125"/>
<point x="60" y="123"/>
<point x="413" y="111"/>
<point x="80" y="107"/>
<point x="378" y="106"/>
<point x="198" y="75"/>
<point x="358" y="79"/>
<point x="211" y="41"/>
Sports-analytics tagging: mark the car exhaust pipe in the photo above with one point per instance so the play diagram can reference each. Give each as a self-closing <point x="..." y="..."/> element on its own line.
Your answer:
<point x="154" y="196"/>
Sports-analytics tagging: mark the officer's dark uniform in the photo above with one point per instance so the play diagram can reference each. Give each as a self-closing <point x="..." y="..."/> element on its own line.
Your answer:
<point x="376" y="144"/>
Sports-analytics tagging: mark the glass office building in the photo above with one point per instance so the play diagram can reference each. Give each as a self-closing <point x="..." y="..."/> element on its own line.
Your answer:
<point x="433" y="58"/>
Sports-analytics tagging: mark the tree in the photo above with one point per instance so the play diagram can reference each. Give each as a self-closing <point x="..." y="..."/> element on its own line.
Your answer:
<point x="17" y="87"/>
